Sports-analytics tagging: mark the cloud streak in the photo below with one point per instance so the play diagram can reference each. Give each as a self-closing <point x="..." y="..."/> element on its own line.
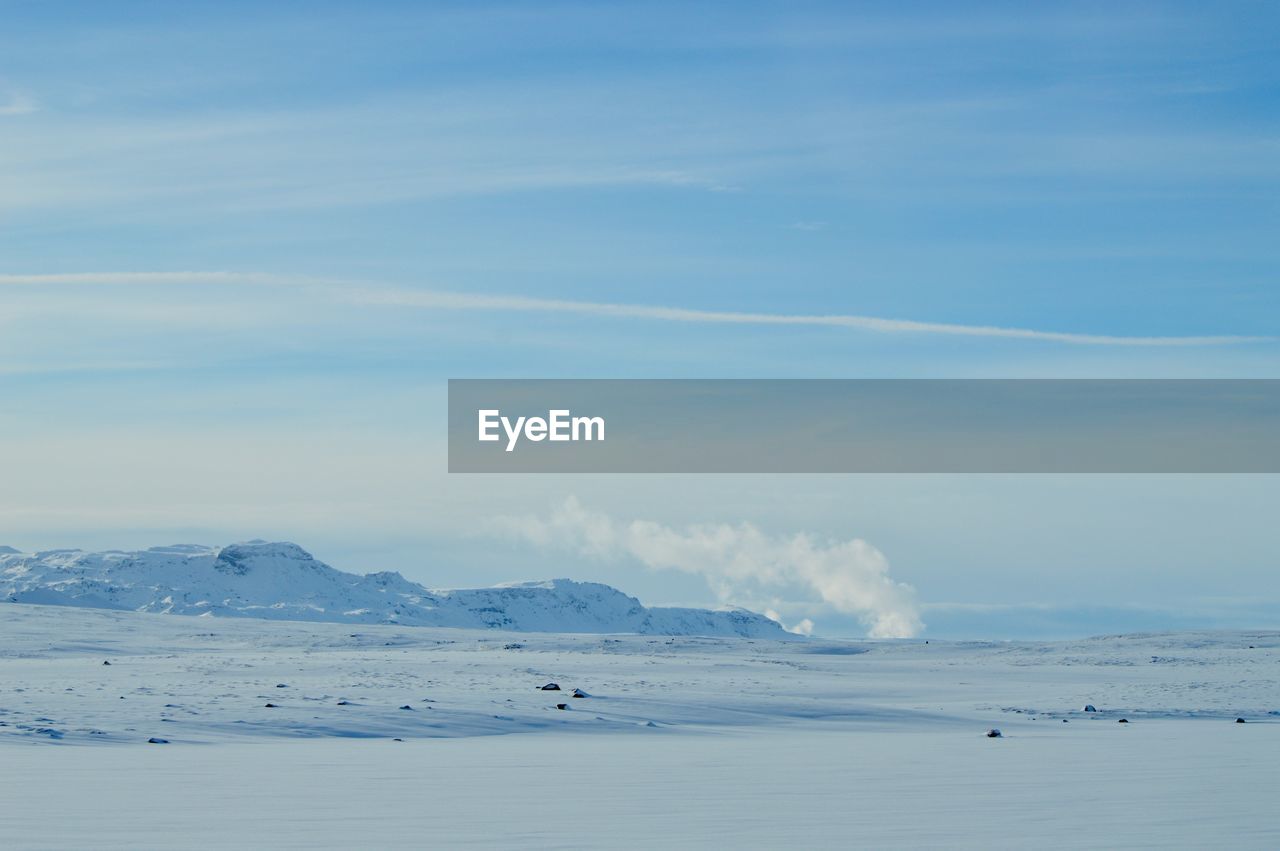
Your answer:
<point x="741" y="564"/>
<point x="390" y="296"/>
<point x="18" y="104"/>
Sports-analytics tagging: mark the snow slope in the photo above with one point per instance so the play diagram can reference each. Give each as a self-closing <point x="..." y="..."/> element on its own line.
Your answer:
<point x="282" y="581"/>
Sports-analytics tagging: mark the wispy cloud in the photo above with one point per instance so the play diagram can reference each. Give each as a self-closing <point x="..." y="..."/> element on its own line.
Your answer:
<point x="8" y="369"/>
<point x="467" y="141"/>
<point x="392" y="296"/>
<point x="126" y="278"/>
<point x="17" y="103"/>
<point x="740" y="563"/>
<point x="459" y="301"/>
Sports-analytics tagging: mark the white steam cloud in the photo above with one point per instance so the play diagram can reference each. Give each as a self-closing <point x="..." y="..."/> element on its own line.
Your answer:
<point x="740" y="563"/>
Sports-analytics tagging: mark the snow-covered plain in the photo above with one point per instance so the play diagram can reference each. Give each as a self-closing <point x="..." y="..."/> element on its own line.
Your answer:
<point x="683" y="741"/>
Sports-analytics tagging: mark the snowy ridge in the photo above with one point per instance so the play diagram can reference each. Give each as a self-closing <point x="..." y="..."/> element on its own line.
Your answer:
<point x="282" y="581"/>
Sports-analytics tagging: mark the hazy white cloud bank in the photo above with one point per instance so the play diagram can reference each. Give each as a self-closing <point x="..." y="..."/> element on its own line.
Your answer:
<point x="742" y="564"/>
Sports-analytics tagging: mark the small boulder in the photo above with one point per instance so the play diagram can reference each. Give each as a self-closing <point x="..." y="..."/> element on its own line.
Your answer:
<point x="580" y="693"/>
<point x="105" y="662"/>
<point x="1240" y="721"/>
<point x="408" y="707"/>
<point x="1123" y="721"/>
<point x="562" y="706"/>
<point x="1089" y="707"/>
<point x="993" y="733"/>
<point x="270" y="706"/>
<point x="344" y="703"/>
<point x="281" y="685"/>
<point x="156" y="740"/>
<point x="551" y="687"/>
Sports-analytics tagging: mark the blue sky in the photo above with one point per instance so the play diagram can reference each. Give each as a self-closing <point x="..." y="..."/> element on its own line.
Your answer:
<point x="225" y="229"/>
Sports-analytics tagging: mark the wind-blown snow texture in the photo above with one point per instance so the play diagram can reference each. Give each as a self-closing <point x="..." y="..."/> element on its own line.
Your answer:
<point x="196" y="680"/>
<point x="282" y="581"/>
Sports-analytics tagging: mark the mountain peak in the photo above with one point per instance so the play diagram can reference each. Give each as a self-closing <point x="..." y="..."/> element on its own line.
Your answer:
<point x="243" y="557"/>
<point x="269" y="549"/>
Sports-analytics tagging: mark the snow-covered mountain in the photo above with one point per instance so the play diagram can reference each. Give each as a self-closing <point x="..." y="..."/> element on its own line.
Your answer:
<point x="283" y="581"/>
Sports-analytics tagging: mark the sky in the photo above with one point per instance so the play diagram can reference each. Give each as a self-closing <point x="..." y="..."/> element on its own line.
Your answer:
<point x="243" y="245"/>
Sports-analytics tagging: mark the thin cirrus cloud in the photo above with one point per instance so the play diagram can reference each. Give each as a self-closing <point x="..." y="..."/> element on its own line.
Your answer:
<point x="393" y="296"/>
